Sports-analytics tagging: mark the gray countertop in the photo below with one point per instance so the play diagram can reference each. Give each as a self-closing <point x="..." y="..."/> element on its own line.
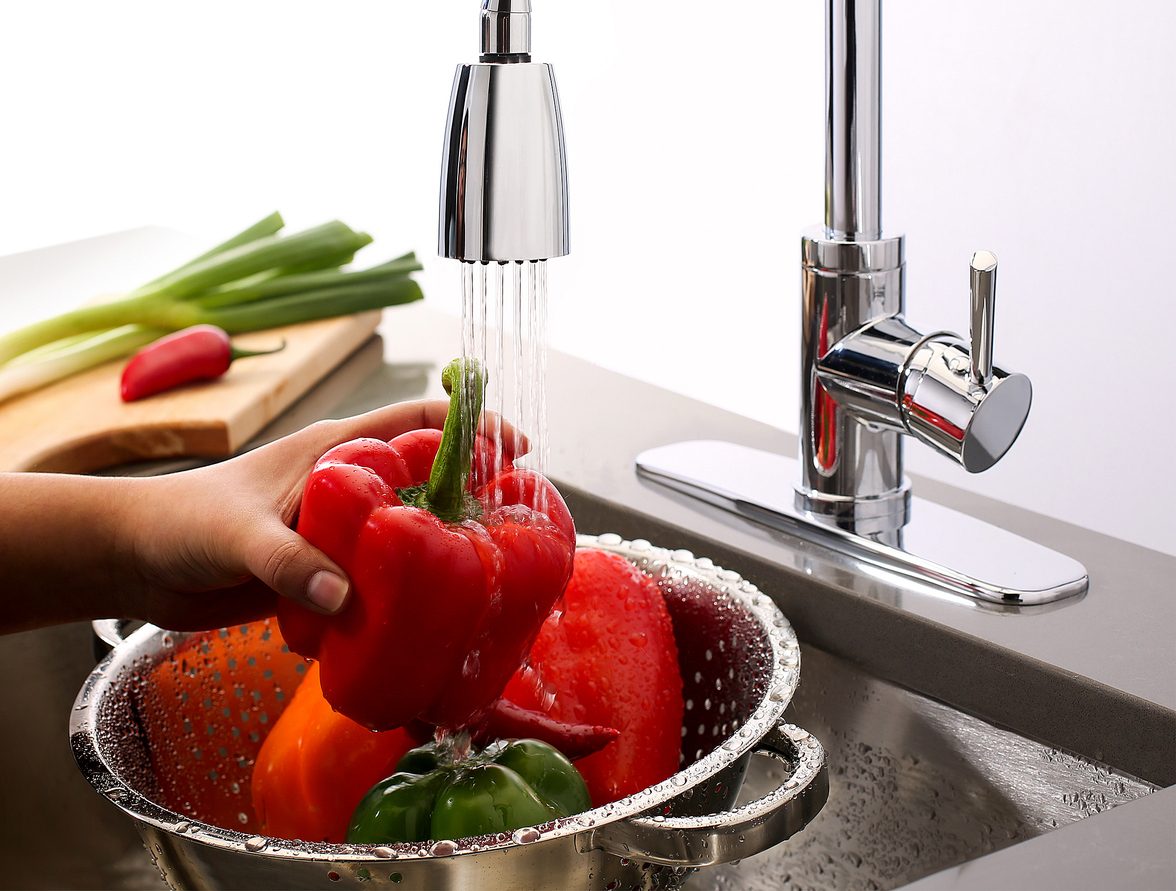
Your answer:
<point x="1084" y="667"/>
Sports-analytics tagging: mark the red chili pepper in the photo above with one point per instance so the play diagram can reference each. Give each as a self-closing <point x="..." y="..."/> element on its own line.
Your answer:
<point x="505" y="720"/>
<point x="452" y="574"/>
<point x="202" y="352"/>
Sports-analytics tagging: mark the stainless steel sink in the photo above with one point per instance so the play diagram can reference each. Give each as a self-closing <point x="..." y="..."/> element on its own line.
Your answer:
<point x="915" y="787"/>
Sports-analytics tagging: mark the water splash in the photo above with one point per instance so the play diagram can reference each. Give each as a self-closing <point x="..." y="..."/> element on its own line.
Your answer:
<point x="526" y="836"/>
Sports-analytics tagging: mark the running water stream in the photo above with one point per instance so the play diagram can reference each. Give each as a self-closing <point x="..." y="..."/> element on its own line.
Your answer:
<point x="504" y="326"/>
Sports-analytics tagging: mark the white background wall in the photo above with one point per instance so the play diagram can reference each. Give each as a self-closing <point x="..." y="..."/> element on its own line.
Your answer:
<point x="1043" y="131"/>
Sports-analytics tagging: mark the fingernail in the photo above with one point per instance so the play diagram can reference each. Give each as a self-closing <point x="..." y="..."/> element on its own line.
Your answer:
<point x="327" y="590"/>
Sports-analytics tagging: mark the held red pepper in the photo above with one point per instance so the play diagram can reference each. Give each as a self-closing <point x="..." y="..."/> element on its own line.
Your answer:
<point x="452" y="573"/>
<point x="202" y="352"/>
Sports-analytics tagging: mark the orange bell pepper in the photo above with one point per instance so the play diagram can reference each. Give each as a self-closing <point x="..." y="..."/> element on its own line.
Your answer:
<point x="316" y="765"/>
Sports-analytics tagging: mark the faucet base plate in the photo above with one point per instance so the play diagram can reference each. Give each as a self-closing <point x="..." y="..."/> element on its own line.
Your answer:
<point x="939" y="548"/>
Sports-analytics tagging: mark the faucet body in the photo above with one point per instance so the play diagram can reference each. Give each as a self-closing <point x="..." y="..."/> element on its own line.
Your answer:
<point x="867" y="377"/>
<point x="851" y="454"/>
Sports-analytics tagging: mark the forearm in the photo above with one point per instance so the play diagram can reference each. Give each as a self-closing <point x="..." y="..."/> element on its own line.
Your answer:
<point x="62" y="558"/>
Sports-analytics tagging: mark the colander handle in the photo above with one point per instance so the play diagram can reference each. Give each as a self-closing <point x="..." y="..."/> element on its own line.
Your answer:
<point x="732" y="835"/>
<point x="109" y="633"/>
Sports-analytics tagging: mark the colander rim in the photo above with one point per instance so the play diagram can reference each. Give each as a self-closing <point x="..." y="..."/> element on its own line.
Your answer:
<point x="778" y="692"/>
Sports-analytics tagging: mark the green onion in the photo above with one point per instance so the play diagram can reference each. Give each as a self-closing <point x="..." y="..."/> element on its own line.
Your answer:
<point x="247" y="292"/>
<point x="151" y="304"/>
<point x="270" y="225"/>
<point x="306" y="307"/>
<point x="330" y="241"/>
<point x="255" y="280"/>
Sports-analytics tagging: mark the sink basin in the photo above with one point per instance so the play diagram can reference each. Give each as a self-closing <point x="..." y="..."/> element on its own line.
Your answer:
<point x="915" y="787"/>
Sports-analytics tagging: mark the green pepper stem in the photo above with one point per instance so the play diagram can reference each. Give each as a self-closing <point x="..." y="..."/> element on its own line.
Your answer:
<point x="465" y="381"/>
<point x="236" y="352"/>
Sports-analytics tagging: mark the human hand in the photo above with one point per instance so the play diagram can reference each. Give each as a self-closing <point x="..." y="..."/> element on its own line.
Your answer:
<point x="215" y="545"/>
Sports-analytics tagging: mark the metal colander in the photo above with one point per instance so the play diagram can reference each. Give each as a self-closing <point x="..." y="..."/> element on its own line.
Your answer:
<point x="168" y="727"/>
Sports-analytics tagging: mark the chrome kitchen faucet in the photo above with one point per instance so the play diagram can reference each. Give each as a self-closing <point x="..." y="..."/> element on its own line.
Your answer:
<point x="866" y="376"/>
<point x="868" y="380"/>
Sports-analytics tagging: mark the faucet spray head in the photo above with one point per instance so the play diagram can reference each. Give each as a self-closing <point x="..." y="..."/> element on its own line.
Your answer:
<point x="504" y="181"/>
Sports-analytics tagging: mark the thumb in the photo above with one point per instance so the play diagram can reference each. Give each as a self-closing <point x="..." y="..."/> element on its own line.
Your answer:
<point x="297" y="570"/>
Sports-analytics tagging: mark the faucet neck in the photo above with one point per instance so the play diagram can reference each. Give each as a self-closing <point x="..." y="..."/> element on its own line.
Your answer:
<point x="506" y="31"/>
<point x="853" y="65"/>
<point x="851" y="472"/>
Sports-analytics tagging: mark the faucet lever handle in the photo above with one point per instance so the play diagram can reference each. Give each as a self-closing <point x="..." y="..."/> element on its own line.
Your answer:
<point x="983" y="304"/>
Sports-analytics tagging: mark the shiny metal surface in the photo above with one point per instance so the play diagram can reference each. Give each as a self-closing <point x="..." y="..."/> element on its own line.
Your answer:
<point x="844" y="257"/>
<point x="940" y="548"/>
<point x="865" y="371"/>
<point x="853" y="47"/>
<point x="867" y="378"/>
<point x="915" y="787"/>
<point x="982" y="289"/>
<point x="506" y="29"/>
<point x="973" y="424"/>
<point x="864" y="376"/>
<point x="851" y="471"/>
<point x="504" y="189"/>
<point x="504" y="179"/>
<point x="740" y="662"/>
<point x="776" y="811"/>
<point x="889" y="376"/>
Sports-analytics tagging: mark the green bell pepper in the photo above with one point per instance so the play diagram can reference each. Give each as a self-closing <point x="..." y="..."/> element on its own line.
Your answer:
<point x="432" y="795"/>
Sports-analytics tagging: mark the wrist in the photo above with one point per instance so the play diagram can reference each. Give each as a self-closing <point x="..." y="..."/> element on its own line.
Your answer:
<point x="60" y="552"/>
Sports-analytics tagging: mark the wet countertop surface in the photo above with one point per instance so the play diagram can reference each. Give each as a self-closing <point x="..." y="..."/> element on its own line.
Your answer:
<point x="1085" y="665"/>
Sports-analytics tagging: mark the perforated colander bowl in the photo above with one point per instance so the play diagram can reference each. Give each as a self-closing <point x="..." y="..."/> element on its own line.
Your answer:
<point x="168" y="726"/>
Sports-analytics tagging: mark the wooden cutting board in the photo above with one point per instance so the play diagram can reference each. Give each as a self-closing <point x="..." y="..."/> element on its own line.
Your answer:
<point x="80" y="424"/>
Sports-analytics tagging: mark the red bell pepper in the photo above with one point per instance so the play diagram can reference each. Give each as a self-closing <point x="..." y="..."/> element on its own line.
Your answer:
<point x="610" y="659"/>
<point x="316" y="765"/>
<point x="455" y="558"/>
